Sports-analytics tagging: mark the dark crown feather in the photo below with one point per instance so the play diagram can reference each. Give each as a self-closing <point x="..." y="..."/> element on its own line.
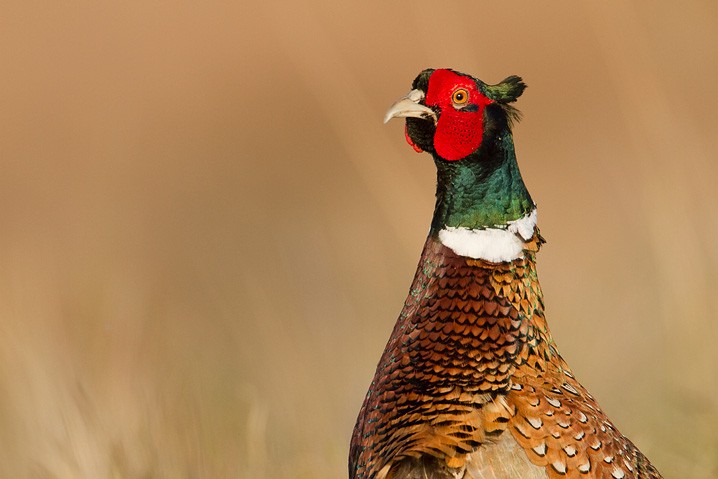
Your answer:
<point x="507" y="91"/>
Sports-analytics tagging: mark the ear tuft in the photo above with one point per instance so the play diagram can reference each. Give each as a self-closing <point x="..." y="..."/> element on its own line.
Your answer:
<point x="507" y="91"/>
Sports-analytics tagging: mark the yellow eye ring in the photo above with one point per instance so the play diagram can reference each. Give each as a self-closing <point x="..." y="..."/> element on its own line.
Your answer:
<point x="460" y="96"/>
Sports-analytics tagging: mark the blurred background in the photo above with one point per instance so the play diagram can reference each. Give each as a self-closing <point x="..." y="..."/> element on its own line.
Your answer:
<point x="207" y="233"/>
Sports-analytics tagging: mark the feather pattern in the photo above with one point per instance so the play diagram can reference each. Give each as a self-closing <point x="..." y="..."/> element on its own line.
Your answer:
<point x="471" y="379"/>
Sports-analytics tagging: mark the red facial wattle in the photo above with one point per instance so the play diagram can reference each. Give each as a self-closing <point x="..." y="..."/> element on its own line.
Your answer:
<point x="408" y="140"/>
<point x="459" y="131"/>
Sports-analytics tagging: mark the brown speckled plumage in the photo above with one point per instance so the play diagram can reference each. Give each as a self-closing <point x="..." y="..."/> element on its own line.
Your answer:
<point x="471" y="361"/>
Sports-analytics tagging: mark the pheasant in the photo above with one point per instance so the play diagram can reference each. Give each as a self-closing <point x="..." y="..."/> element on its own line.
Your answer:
<point x="471" y="384"/>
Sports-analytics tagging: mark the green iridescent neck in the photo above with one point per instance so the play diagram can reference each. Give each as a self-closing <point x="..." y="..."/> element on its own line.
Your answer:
<point x="482" y="190"/>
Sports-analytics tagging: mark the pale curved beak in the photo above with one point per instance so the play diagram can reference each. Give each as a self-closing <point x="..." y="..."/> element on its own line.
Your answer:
<point x="409" y="106"/>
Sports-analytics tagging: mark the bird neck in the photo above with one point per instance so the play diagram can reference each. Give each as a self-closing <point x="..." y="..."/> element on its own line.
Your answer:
<point x="482" y="191"/>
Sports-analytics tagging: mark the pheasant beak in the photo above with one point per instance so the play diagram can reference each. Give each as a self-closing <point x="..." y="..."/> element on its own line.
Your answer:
<point x="409" y="106"/>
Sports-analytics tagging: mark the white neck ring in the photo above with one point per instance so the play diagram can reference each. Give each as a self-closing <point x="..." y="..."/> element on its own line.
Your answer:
<point x="496" y="244"/>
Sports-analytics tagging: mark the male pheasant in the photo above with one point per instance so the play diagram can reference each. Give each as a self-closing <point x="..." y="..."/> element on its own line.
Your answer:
<point x="471" y="384"/>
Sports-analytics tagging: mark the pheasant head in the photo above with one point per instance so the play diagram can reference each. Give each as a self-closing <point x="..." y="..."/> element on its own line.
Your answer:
<point x="465" y="124"/>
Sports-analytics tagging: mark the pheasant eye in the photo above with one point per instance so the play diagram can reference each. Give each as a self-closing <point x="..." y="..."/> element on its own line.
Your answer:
<point x="460" y="96"/>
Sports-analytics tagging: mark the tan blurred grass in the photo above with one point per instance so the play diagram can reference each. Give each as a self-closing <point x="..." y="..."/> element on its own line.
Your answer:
<point x="207" y="233"/>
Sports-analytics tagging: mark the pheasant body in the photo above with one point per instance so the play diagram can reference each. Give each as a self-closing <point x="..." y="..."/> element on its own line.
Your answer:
<point x="471" y="384"/>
